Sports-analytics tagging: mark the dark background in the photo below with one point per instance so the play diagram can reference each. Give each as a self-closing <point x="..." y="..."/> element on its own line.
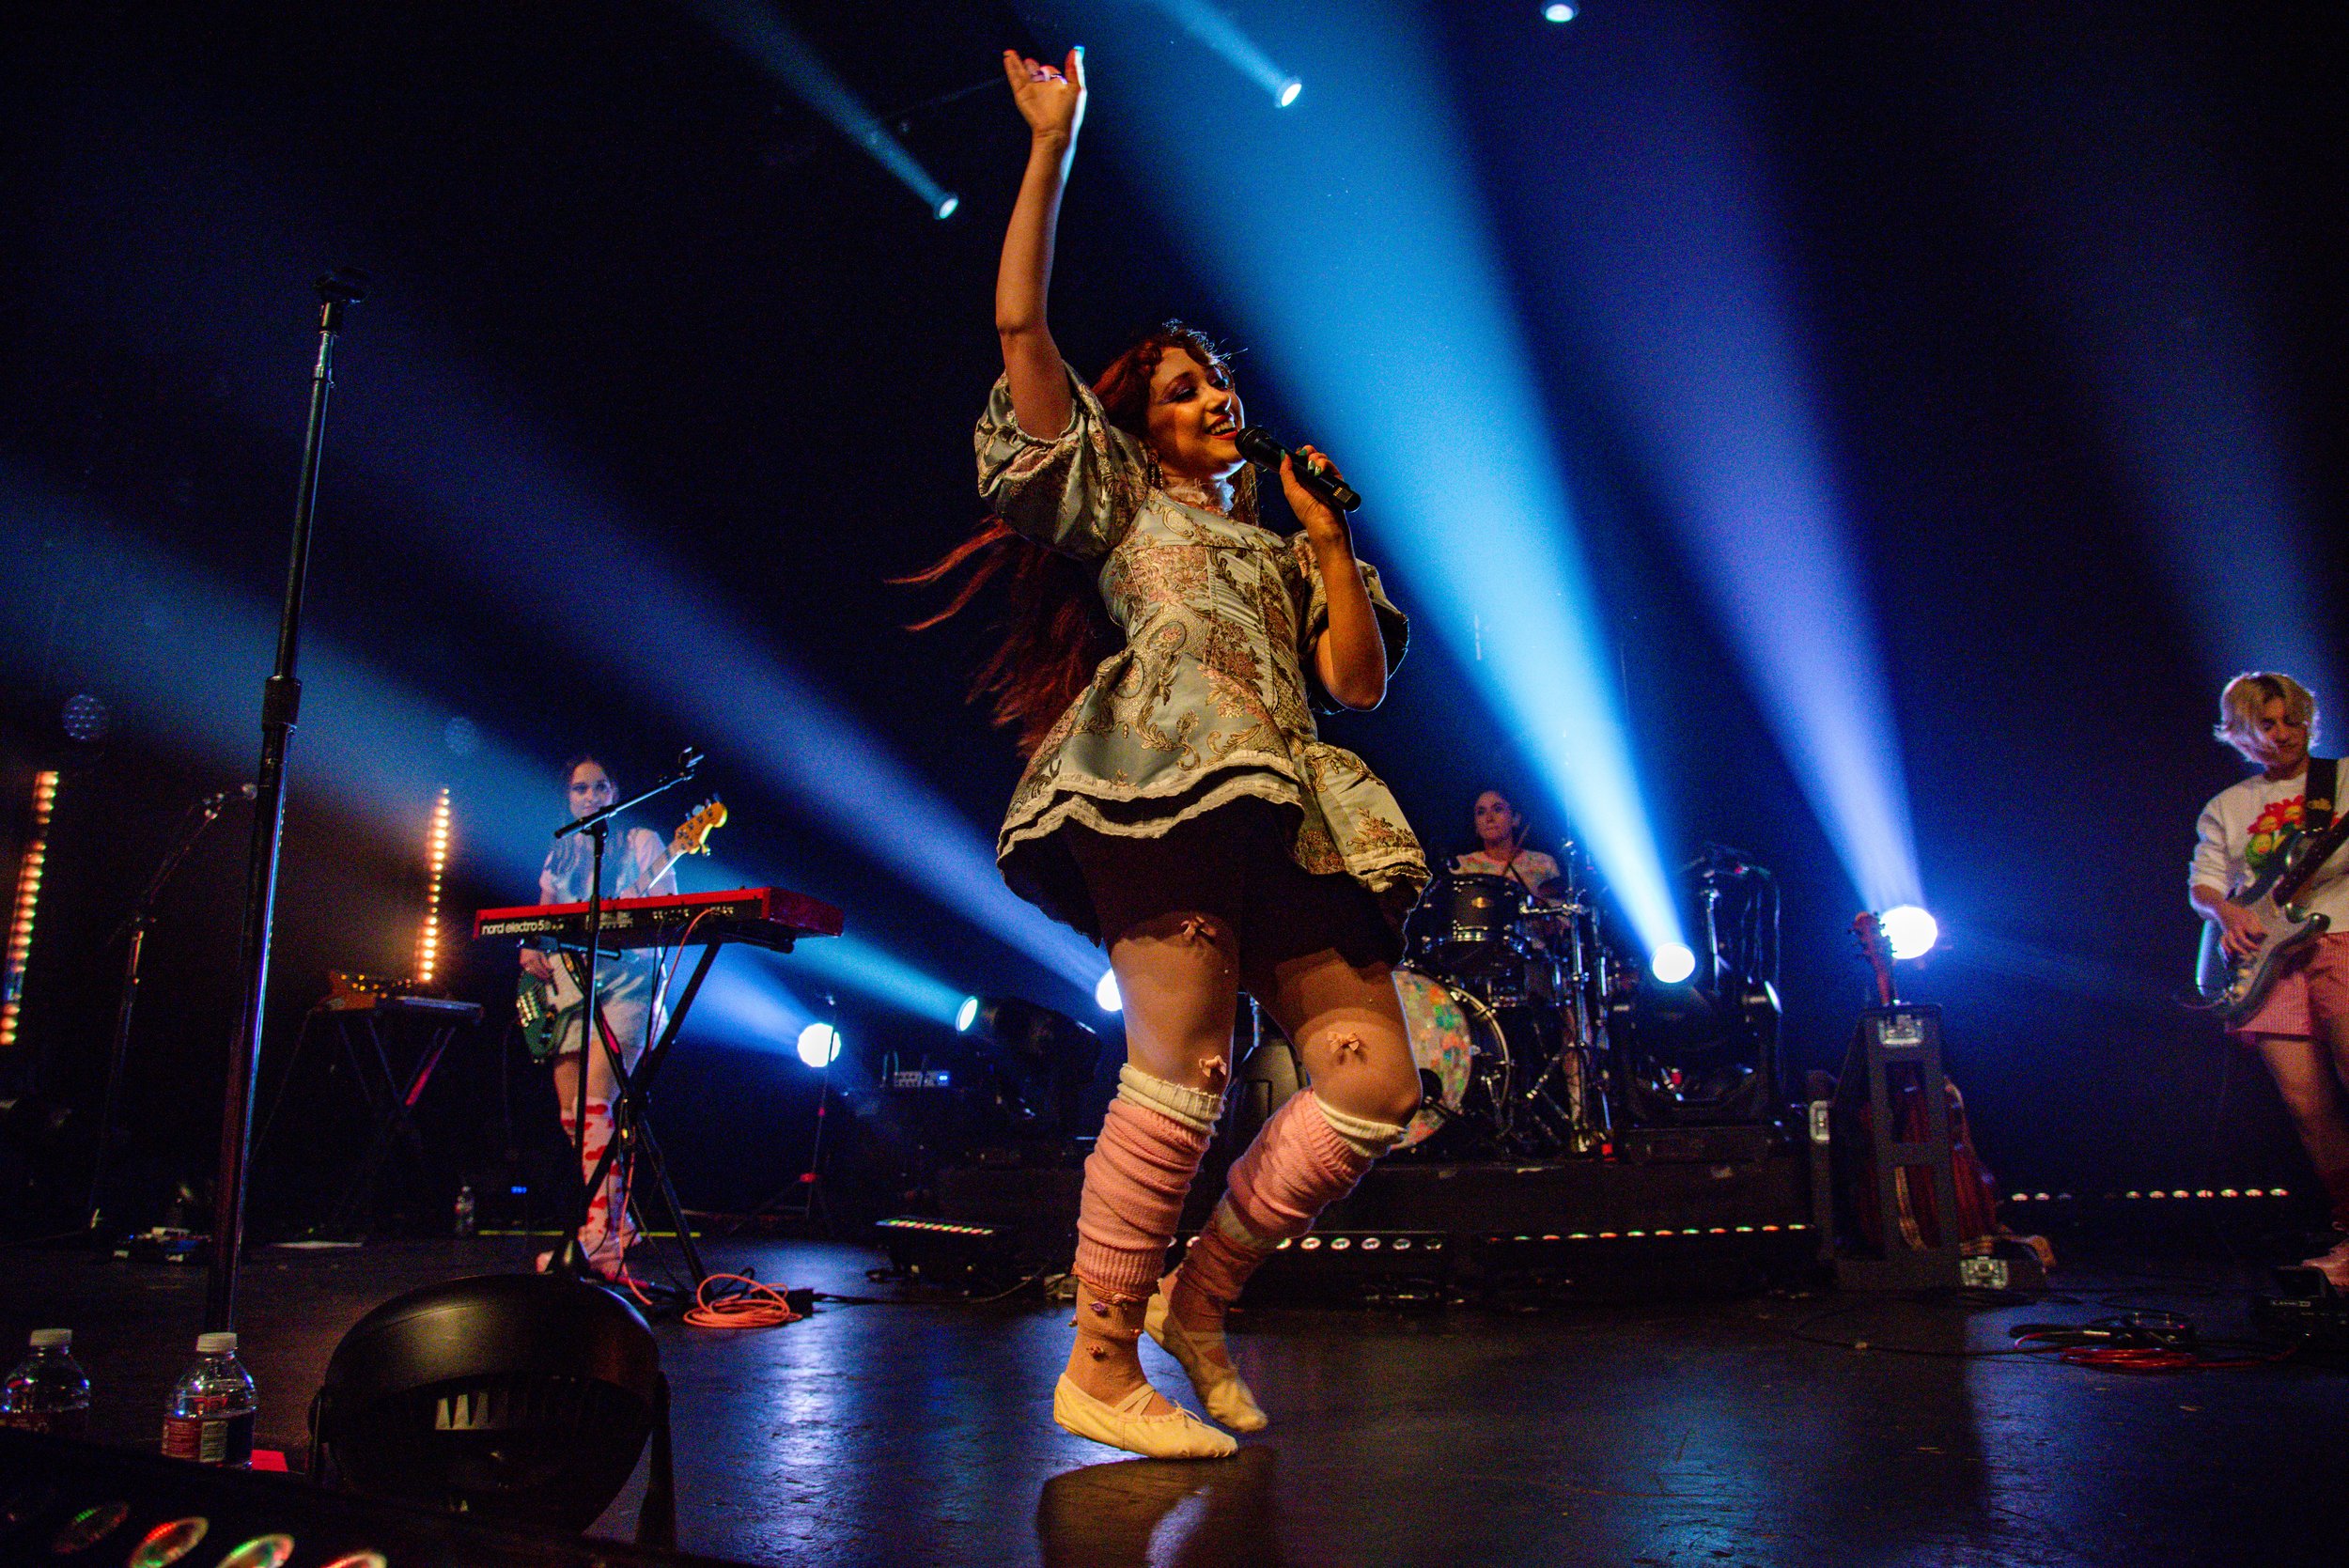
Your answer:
<point x="609" y="250"/>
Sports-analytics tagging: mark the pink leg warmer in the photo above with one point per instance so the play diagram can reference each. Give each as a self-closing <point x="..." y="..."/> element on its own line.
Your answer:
<point x="1135" y="1181"/>
<point x="1298" y="1165"/>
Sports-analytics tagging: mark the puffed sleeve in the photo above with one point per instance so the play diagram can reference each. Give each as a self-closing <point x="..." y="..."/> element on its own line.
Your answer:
<point x="1078" y="491"/>
<point x="1394" y="628"/>
<point x="2211" y="865"/>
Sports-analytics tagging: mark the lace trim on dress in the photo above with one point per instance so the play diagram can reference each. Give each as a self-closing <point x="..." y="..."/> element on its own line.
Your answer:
<point x="1208" y="495"/>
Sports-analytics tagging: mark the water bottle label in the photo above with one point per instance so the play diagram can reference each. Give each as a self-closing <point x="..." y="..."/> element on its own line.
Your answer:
<point x="211" y="1439"/>
<point x="71" y="1422"/>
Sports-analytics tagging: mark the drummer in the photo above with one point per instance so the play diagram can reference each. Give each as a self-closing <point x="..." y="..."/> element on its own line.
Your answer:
<point x="1501" y="849"/>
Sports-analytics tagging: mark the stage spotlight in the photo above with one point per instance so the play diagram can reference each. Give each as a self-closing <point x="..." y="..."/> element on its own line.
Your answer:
<point x="1909" y="931"/>
<point x="1558" y="11"/>
<point x="819" y="1045"/>
<point x="1696" y="1056"/>
<point x="946" y="205"/>
<point x="1105" y="994"/>
<point x="1289" y="89"/>
<point x="518" y="1399"/>
<point x="966" y="1014"/>
<point x="1673" y="963"/>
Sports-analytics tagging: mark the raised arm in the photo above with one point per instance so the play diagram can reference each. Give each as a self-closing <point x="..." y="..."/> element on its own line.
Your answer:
<point x="1053" y="104"/>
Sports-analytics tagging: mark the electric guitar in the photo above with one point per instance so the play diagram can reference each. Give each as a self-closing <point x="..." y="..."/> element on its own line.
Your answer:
<point x="544" y="1008"/>
<point x="2236" y="987"/>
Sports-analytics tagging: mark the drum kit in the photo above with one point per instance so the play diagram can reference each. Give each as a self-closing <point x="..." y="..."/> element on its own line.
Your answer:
<point x="1505" y="995"/>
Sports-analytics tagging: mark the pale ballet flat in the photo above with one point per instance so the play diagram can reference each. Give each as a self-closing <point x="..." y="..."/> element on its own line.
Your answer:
<point x="1218" y="1383"/>
<point x="1175" y="1434"/>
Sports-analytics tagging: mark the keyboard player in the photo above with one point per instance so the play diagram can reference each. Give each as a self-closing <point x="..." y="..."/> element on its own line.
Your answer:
<point x="637" y="863"/>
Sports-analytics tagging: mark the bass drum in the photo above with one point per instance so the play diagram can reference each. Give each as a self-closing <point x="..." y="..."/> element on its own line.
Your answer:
<point x="1463" y="1056"/>
<point x="1457" y="1042"/>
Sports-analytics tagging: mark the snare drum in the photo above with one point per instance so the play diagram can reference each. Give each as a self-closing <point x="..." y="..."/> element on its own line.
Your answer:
<point x="1465" y="922"/>
<point x="1454" y="1037"/>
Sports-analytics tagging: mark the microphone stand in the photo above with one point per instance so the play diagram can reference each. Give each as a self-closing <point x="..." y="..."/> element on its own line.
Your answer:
<point x="135" y="926"/>
<point x="597" y="825"/>
<point x="280" y="709"/>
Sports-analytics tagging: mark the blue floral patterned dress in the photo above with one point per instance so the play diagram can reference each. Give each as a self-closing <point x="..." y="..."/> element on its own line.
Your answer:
<point x="1209" y="700"/>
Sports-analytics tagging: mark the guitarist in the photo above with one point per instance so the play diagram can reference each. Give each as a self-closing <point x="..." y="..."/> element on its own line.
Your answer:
<point x="636" y="865"/>
<point x="2302" y="1029"/>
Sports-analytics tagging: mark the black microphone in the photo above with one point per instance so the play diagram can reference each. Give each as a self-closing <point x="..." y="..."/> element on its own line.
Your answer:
<point x="1260" y="447"/>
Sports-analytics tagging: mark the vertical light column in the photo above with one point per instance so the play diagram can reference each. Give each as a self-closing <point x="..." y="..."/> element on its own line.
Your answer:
<point x="27" y="903"/>
<point x="436" y="862"/>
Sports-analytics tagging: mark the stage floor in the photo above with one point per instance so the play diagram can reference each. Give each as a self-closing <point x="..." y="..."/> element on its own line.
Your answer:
<point x="1682" y="1433"/>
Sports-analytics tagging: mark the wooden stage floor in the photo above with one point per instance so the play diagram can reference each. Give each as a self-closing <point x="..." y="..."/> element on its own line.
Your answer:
<point x="1688" y="1431"/>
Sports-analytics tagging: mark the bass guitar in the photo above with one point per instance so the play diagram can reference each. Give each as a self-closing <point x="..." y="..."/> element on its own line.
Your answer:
<point x="2234" y="988"/>
<point x="544" y="1008"/>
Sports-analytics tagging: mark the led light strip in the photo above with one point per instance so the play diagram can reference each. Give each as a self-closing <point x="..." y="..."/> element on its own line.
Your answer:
<point x="436" y="859"/>
<point x="27" y="901"/>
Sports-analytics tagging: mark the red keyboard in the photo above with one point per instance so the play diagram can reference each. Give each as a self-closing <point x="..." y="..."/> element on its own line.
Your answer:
<point x="767" y="917"/>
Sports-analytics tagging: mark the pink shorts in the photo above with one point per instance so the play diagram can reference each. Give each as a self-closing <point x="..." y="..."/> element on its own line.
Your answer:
<point x="2315" y="986"/>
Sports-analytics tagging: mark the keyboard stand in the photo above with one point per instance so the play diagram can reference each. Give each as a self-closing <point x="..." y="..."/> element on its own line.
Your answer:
<point x="633" y="1112"/>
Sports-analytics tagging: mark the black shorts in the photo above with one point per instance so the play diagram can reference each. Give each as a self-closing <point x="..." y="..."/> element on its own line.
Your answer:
<point x="1233" y="863"/>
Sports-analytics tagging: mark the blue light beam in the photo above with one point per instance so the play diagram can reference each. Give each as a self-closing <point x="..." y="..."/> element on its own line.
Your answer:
<point x="183" y="655"/>
<point x="1378" y="286"/>
<point x="1211" y="26"/>
<point x="1667" y="247"/>
<point x="760" y="32"/>
<point x="2141" y="245"/>
<point x="490" y="497"/>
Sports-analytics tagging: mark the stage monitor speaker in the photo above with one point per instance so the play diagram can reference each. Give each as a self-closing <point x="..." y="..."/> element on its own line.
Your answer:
<point x="65" y="1503"/>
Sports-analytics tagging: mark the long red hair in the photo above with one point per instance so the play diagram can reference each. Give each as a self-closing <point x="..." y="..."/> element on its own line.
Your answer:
<point x="1055" y="631"/>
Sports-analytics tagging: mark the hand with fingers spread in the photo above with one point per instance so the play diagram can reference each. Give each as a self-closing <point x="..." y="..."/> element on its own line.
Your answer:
<point x="1050" y="99"/>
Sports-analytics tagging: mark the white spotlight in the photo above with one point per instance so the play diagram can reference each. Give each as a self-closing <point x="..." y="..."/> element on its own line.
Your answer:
<point x="1558" y="11"/>
<point x="946" y="205"/>
<point x="819" y="1045"/>
<point x="1105" y="992"/>
<point x="966" y="1014"/>
<point x="1673" y="963"/>
<point x="1909" y="931"/>
<point x="1287" y="95"/>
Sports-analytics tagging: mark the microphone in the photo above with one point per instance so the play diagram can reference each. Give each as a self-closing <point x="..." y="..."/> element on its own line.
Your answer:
<point x="1260" y="447"/>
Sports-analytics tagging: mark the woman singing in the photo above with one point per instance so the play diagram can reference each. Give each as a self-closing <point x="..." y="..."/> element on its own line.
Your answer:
<point x="1179" y="807"/>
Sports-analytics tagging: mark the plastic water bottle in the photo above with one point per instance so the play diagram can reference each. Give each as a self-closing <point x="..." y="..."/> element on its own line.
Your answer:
<point x="466" y="1210"/>
<point x="211" y="1419"/>
<point x="47" y="1391"/>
